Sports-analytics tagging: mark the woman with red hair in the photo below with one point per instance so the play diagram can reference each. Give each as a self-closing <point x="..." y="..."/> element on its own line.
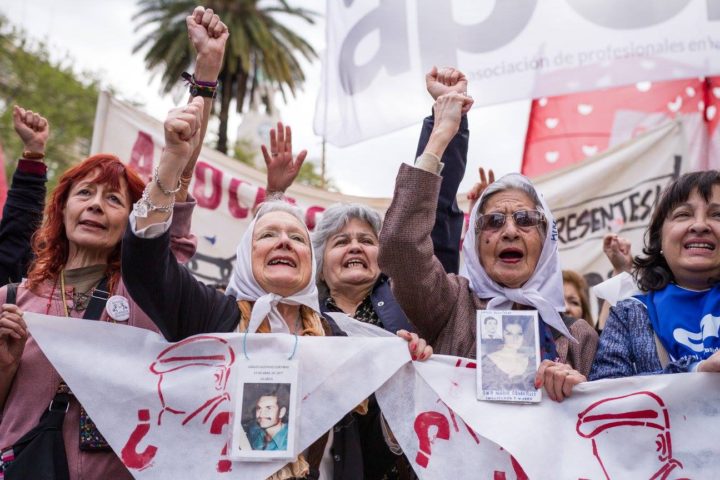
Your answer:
<point x="76" y="273"/>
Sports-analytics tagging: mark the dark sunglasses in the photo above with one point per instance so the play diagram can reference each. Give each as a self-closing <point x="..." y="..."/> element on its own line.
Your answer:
<point x="522" y="219"/>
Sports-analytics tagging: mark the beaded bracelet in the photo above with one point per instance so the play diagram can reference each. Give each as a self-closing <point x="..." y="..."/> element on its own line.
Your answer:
<point x="199" y="88"/>
<point x="156" y="179"/>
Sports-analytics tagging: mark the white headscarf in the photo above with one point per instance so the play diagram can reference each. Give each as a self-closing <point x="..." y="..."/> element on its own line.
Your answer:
<point x="243" y="285"/>
<point x="544" y="288"/>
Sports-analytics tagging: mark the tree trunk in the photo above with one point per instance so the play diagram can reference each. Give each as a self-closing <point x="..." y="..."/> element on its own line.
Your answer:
<point x="225" y="98"/>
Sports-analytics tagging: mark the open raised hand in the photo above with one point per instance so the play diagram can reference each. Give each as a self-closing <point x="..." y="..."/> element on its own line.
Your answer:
<point x="282" y="168"/>
<point x="618" y="252"/>
<point x="477" y="190"/>
<point x="32" y="128"/>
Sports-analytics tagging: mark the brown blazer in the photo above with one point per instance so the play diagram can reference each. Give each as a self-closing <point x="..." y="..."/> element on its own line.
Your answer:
<point x="441" y="306"/>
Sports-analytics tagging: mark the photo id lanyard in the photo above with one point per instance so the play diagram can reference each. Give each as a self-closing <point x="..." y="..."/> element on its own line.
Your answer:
<point x="508" y="355"/>
<point x="266" y="392"/>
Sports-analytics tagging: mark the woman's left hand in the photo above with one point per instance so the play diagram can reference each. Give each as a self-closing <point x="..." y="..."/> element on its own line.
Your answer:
<point x="558" y="379"/>
<point x="419" y="349"/>
<point x="710" y="364"/>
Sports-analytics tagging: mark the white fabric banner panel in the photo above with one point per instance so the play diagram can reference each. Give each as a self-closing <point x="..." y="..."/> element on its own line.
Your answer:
<point x="378" y="53"/>
<point x="165" y="408"/>
<point x="226" y="190"/>
<point x="654" y="426"/>
<point x="612" y="192"/>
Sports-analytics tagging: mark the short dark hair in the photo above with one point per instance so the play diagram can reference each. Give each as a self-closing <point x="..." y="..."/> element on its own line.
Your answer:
<point x="651" y="270"/>
<point x="281" y="392"/>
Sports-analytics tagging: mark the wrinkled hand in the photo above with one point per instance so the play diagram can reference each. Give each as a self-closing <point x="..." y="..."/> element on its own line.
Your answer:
<point x="558" y="379"/>
<point x="282" y="169"/>
<point x="448" y="112"/>
<point x="711" y="364"/>
<point x="32" y="128"/>
<point x="447" y="80"/>
<point x="477" y="190"/>
<point x="419" y="349"/>
<point x="182" y="130"/>
<point x="13" y="335"/>
<point x="617" y="249"/>
<point x="208" y="35"/>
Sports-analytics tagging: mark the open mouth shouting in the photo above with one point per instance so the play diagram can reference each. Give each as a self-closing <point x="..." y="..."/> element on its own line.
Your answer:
<point x="355" y="263"/>
<point x="282" y="261"/>
<point x="511" y="255"/>
<point x="699" y="246"/>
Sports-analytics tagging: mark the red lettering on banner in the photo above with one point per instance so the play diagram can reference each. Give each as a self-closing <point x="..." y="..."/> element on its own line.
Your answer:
<point x="310" y="215"/>
<point x="129" y="454"/>
<point x="224" y="465"/>
<point x="236" y="210"/>
<point x="141" y="157"/>
<point x="211" y="200"/>
<point x="423" y="422"/>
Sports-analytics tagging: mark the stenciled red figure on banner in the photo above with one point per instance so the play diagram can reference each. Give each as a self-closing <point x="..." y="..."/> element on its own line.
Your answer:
<point x="639" y="419"/>
<point x="205" y="400"/>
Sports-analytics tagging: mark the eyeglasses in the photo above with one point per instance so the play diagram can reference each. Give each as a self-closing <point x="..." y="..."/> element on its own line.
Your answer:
<point x="523" y="219"/>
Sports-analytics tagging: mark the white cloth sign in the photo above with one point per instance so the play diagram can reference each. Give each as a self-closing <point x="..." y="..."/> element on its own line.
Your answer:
<point x="613" y="192"/>
<point x="658" y="426"/>
<point x="226" y="190"/>
<point x="160" y="408"/>
<point x="165" y="408"/>
<point x="378" y="53"/>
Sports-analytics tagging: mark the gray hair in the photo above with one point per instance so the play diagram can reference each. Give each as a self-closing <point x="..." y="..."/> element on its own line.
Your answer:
<point x="269" y="206"/>
<point x="333" y="220"/>
<point x="512" y="182"/>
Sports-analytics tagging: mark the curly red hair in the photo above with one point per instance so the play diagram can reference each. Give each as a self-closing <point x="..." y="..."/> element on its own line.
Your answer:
<point x="50" y="244"/>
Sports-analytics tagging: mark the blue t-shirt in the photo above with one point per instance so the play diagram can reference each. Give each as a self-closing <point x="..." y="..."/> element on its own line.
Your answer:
<point x="256" y="435"/>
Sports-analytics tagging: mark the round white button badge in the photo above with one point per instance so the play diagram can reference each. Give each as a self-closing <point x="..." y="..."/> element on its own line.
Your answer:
<point x="118" y="308"/>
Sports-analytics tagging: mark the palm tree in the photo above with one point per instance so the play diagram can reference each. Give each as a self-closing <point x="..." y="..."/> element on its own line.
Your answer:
<point x="261" y="51"/>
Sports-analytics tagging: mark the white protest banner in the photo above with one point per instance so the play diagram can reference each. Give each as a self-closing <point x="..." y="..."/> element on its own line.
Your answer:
<point x="226" y="190"/>
<point x="649" y="427"/>
<point x="612" y="192"/>
<point x="378" y="53"/>
<point x="165" y="408"/>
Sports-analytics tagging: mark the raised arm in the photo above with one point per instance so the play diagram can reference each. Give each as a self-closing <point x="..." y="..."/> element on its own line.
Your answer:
<point x="23" y="209"/>
<point x="208" y="35"/>
<point x="178" y="304"/>
<point x="425" y="291"/>
<point x="449" y="218"/>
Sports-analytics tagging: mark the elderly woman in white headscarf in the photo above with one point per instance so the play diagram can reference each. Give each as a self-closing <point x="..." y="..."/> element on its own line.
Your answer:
<point x="272" y="289"/>
<point x="511" y="257"/>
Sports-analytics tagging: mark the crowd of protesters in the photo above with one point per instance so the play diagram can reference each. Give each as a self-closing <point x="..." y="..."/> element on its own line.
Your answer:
<point x="104" y="232"/>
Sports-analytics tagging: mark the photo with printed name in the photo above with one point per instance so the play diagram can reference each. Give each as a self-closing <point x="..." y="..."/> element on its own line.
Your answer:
<point x="509" y="356"/>
<point x="266" y="413"/>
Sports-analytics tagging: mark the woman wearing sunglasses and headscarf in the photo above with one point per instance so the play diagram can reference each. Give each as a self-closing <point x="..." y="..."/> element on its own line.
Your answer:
<point x="511" y="256"/>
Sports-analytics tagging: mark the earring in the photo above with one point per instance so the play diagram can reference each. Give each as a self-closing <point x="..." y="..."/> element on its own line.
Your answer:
<point x="661" y="252"/>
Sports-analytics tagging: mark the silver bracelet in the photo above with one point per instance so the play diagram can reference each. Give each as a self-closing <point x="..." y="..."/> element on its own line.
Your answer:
<point x="156" y="179"/>
<point x="144" y="206"/>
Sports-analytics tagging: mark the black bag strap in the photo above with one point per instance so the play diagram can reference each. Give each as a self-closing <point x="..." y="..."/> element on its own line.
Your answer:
<point x="98" y="300"/>
<point x="11" y="293"/>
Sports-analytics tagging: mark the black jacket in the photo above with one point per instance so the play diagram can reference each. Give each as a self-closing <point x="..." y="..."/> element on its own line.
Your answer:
<point x="22" y="215"/>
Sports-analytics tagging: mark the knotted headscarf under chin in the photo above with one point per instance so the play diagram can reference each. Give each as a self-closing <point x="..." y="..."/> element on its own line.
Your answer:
<point x="544" y="288"/>
<point x="243" y="285"/>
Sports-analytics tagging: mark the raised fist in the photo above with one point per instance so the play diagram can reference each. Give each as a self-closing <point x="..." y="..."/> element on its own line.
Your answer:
<point x="208" y="35"/>
<point x="447" y="80"/>
<point x="32" y="128"/>
<point x="182" y="129"/>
